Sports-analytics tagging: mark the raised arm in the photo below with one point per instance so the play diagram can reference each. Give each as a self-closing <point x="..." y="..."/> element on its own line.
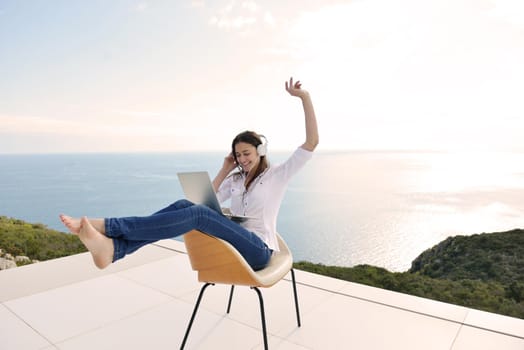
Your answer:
<point x="309" y="112"/>
<point x="227" y="167"/>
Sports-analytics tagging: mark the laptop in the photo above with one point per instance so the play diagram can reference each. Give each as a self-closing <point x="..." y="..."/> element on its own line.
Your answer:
<point x="198" y="189"/>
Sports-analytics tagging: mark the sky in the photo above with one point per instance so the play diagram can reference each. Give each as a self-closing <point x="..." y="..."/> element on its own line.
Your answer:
<point x="163" y="76"/>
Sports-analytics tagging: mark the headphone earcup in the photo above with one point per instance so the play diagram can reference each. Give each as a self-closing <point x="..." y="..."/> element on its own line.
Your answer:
<point x="262" y="149"/>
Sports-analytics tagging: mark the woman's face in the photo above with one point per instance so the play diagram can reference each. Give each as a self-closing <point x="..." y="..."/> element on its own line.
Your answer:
<point x="247" y="156"/>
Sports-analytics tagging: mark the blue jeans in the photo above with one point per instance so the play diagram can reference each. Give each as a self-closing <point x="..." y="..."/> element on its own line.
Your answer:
<point x="131" y="233"/>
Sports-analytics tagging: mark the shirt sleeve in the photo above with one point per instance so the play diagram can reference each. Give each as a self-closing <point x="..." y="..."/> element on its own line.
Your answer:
<point x="294" y="163"/>
<point x="224" y="191"/>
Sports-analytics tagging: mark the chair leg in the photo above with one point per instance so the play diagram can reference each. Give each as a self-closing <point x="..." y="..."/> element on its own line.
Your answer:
<point x="230" y="298"/>
<point x="263" y="316"/>
<point x="194" y="313"/>
<point x="296" y="296"/>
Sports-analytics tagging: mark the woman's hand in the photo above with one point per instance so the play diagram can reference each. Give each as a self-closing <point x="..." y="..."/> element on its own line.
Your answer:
<point x="228" y="166"/>
<point x="229" y="163"/>
<point x="309" y="113"/>
<point x="295" y="89"/>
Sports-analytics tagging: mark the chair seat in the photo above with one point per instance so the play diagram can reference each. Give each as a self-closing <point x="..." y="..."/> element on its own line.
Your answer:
<point x="218" y="261"/>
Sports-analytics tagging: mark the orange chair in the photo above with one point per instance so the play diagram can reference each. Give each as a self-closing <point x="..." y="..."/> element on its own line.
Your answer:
<point x="217" y="261"/>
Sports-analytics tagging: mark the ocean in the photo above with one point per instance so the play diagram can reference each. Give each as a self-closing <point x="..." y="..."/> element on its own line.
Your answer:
<point x="343" y="208"/>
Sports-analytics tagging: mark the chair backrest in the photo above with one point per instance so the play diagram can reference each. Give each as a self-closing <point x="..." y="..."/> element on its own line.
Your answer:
<point x="217" y="261"/>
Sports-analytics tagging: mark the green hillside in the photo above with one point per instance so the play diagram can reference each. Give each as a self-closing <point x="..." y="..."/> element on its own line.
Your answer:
<point x="483" y="271"/>
<point x="487" y="257"/>
<point x="36" y="241"/>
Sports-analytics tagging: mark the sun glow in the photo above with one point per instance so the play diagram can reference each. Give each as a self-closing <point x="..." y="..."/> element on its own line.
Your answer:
<point x="462" y="171"/>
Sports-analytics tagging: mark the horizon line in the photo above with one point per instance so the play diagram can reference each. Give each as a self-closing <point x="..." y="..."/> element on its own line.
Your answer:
<point x="280" y="150"/>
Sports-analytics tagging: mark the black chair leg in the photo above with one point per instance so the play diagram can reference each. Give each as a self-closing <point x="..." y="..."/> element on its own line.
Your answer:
<point x="263" y="316"/>
<point x="194" y="313"/>
<point x="230" y="298"/>
<point x="296" y="296"/>
<point x="262" y="312"/>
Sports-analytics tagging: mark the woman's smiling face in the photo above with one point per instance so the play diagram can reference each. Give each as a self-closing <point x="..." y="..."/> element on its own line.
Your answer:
<point x="246" y="156"/>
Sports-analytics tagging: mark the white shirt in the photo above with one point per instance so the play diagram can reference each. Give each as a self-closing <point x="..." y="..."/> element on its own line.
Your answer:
<point x="262" y="202"/>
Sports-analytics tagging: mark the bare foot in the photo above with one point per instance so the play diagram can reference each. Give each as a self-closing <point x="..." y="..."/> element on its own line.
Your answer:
<point x="100" y="246"/>
<point x="72" y="224"/>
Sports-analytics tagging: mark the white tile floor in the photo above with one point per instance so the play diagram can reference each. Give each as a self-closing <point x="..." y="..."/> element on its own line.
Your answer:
<point x="146" y="300"/>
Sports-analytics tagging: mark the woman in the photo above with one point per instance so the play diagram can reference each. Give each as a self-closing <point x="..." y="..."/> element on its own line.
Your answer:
<point x="256" y="191"/>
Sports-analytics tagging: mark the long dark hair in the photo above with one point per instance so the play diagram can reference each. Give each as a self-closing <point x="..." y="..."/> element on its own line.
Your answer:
<point x="254" y="139"/>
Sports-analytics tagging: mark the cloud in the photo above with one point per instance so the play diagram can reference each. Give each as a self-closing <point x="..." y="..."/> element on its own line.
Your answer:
<point x="28" y="125"/>
<point x="198" y="3"/>
<point x="141" y="6"/>
<point x="269" y="19"/>
<point x="138" y="114"/>
<point x="511" y="11"/>
<point x="101" y="126"/>
<point x="116" y="124"/>
<point x="241" y="17"/>
<point x="249" y="5"/>
<point x="48" y="135"/>
<point x="238" y="22"/>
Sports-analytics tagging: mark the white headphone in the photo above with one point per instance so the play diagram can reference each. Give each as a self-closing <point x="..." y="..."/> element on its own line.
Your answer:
<point x="262" y="148"/>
